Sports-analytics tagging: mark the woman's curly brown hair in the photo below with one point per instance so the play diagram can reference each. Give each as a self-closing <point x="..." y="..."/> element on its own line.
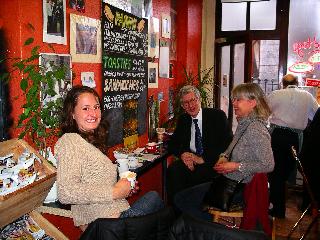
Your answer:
<point x="98" y="137"/>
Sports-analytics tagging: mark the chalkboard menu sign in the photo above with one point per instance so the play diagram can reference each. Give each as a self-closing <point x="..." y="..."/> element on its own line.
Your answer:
<point x="125" y="68"/>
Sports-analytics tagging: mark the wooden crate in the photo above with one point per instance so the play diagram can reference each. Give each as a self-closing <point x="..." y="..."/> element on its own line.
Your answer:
<point x="26" y="199"/>
<point x="50" y="229"/>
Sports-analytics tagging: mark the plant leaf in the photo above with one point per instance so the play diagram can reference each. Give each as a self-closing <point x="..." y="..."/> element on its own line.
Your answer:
<point x="21" y="135"/>
<point x="28" y="41"/>
<point x="20" y="65"/>
<point x="31" y="26"/>
<point x="34" y="50"/>
<point x="24" y="84"/>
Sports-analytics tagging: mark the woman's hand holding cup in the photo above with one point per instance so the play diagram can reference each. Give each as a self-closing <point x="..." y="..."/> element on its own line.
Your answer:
<point x="121" y="189"/>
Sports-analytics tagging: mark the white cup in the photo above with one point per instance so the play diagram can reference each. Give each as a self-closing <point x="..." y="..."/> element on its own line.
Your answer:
<point x="131" y="176"/>
<point x="123" y="165"/>
<point x="133" y="162"/>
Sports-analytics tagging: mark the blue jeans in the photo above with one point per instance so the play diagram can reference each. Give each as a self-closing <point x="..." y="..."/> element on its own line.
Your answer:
<point x="148" y="203"/>
<point x="190" y="201"/>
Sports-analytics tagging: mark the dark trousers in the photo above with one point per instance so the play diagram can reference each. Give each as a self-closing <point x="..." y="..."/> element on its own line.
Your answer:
<point x="179" y="177"/>
<point x="190" y="201"/>
<point x="281" y="141"/>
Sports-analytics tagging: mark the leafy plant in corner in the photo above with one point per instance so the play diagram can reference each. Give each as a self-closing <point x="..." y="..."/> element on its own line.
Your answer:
<point x="38" y="121"/>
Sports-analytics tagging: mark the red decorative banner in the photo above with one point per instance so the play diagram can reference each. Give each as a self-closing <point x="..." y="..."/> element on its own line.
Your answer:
<point x="313" y="82"/>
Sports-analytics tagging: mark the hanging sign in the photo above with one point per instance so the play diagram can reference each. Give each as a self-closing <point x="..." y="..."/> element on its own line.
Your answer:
<point x="312" y="82"/>
<point x="301" y="67"/>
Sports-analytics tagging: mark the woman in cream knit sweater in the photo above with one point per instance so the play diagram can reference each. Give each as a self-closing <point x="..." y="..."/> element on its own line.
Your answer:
<point x="86" y="178"/>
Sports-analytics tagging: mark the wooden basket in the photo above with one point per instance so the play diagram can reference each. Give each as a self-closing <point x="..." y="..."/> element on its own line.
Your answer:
<point x="26" y="199"/>
<point x="48" y="227"/>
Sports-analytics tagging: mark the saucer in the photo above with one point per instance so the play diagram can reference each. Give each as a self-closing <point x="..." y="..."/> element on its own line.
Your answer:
<point x="138" y="165"/>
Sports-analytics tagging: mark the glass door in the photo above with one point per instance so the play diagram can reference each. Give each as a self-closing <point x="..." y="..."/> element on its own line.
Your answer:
<point x="231" y="73"/>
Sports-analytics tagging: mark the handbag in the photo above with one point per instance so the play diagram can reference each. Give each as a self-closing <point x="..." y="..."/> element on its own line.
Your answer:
<point x="224" y="193"/>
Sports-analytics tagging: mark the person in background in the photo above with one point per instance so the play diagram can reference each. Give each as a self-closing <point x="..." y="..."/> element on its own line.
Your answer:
<point x="291" y="109"/>
<point x="197" y="153"/>
<point x="86" y="178"/>
<point x="249" y="152"/>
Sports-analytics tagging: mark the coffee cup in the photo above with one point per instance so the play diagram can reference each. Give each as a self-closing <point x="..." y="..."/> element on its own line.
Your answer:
<point x="123" y="165"/>
<point x="151" y="147"/>
<point x="119" y="155"/>
<point x="130" y="176"/>
<point x="133" y="162"/>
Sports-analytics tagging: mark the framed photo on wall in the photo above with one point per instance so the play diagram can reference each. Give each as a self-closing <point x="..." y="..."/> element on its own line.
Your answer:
<point x="79" y="5"/>
<point x="166" y="26"/>
<point x="85" y="39"/>
<point x="152" y="75"/>
<point x="153" y="37"/>
<point x="48" y="62"/>
<point x="54" y="21"/>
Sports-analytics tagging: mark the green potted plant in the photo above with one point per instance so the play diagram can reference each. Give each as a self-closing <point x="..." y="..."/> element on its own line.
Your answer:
<point x="39" y="122"/>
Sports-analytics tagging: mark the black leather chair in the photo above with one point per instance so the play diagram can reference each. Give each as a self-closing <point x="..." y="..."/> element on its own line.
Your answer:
<point x="189" y="228"/>
<point x="149" y="227"/>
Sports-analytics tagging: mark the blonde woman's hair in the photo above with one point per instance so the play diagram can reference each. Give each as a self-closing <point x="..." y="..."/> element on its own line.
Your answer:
<point x="253" y="91"/>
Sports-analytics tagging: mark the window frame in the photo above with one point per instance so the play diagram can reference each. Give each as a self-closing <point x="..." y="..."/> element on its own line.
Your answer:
<point x="247" y="36"/>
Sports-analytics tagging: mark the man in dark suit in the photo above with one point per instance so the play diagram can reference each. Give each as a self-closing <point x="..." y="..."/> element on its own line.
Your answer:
<point x="196" y="157"/>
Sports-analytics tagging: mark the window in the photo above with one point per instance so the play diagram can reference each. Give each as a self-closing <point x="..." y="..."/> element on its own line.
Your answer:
<point x="234" y="16"/>
<point x="262" y="15"/>
<point x="304" y="40"/>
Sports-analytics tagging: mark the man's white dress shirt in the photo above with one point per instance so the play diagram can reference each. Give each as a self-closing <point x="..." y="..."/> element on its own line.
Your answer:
<point x="193" y="131"/>
<point x="292" y="107"/>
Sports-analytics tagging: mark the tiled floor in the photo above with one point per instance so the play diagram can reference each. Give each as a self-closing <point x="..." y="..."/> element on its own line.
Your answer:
<point x="293" y="213"/>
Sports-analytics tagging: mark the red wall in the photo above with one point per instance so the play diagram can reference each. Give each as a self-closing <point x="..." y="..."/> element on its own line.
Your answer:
<point x="16" y="14"/>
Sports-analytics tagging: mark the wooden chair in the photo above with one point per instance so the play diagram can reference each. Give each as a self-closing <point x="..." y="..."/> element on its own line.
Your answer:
<point x="256" y="206"/>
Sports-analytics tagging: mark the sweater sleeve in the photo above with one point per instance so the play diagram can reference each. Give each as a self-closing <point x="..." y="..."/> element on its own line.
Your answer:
<point x="77" y="185"/>
<point x="180" y="140"/>
<point x="259" y="139"/>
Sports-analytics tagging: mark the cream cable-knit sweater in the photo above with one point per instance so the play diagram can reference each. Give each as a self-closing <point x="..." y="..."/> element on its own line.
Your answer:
<point x="85" y="178"/>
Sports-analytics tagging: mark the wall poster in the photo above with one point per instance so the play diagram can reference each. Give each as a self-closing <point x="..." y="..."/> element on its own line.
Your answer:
<point x="152" y="75"/>
<point x="48" y="62"/>
<point x="87" y="79"/>
<point x="85" y="39"/>
<point x="54" y="21"/>
<point x="125" y="71"/>
<point x="154" y="28"/>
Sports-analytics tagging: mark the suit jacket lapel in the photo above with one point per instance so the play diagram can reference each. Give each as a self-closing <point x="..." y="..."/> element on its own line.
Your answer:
<point x="205" y="125"/>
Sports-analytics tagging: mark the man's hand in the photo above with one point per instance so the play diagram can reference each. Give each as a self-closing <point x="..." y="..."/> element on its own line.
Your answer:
<point x="190" y="159"/>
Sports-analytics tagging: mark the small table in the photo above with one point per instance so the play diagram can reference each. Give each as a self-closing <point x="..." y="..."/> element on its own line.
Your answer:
<point x="161" y="159"/>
